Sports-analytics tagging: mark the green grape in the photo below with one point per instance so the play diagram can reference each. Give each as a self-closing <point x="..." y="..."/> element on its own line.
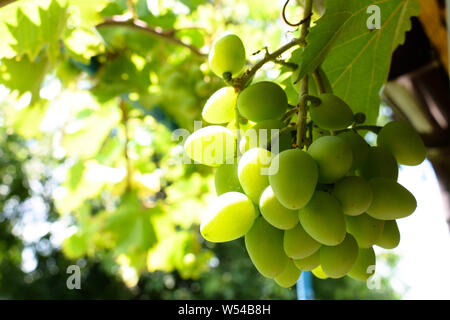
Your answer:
<point x="360" y="148"/>
<point x="275" y="213"/>
<point x="227" y="55"/>
<point x="298" y="244"/>
<point x="323" y="220"/>
<point x="354" y="194"/>
<point x="336" y="261"/>
<point x="253" y="172"/>
<point x="332" y="113"/>
<point x="262" y="101"/>
<point x="220" y="107"/>
<point x="309" y="263"/>
<point x="229" y="217"/>
<point x="365" y="229"/>
<point x="212" y="146"/>
<point x="364" y="266"/>
<point x="226" y="179"/>
<point x="333" y="156"/>
<point x="293" y="178"/>
<point x="379" y="164"/>
<point x="400" y="139"/>
<point x="263" y="129"/>
<point x="390" y="200"/>
<point x="289" y="276"/>
<point x="264" y="245"/>
<point x="390" y="237"/>
<point x="318" y="272"/>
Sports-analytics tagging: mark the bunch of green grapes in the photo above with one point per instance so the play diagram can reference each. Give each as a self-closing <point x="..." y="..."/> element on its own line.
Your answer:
<point x="320" y="207"/>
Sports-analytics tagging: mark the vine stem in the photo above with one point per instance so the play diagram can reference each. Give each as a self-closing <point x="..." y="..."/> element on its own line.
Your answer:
<point x="241" y="82"/>
<point x="303" y="93"/>
<point x="302" y="112"/>
<point x="166" y="35"/>
<point x="6" y="2"/>
<point x="124" y="110"/>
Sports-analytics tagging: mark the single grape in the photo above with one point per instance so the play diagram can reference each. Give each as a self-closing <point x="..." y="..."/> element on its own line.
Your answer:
<point x="333" y="157"/>
<point x="354" y="194"/>
<point x="289" y="276"/>
<point x="262" y="101"/>
<point x="264" y="245"/>
<point x="400" y="139"/>
<point x="275" y="213"/>
<point x="336" y="261"/>
<point x="298" y="244"/>
<point x="226" y="179"/>
<point x="365" y="229"/>
<point x="364" y="266"/>
<point x="212" y="146"/>
<point x="379" y="164"/>
<point x="253" y="169"/>
<point x="360" y="148"/>
<point x="332" y="113"/>
<point x="220" y="107"/>
<point x="263" y="130"/>
<point x="390" y="200"/>
<point x="227" y="55"/>
<point x="390" y="237"/>
<point x="318" y="272"/>
<point x="323" y="219"/>
<point x="309" y="263"/>
<point x="293" y="178"/>
<point x="229" y="217"/>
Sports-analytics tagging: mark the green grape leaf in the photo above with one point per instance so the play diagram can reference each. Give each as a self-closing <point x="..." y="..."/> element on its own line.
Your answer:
<point x="12" y="73"/>
<point x="86" y="14"/>
<point x="75" y="246"/>
<point x="53" y="22"/>
<point x="31" y="34"/>
<point x="27" y="36"/>
<point x="27" y="121"/>
<point x="86" y="181"/>
<point x="131" y="226"/>
<point x="88" y="133"/>
<point x="355" y="58"/>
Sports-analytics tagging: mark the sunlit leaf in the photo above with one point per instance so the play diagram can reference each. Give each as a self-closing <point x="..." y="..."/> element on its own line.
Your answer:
<point x="356" y="59"/>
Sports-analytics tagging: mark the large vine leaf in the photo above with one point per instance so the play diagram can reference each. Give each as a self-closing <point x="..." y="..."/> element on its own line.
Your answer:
<point x="12" y="73"/>
<point x="355" y="58"/>
<point x="30" y="26"/>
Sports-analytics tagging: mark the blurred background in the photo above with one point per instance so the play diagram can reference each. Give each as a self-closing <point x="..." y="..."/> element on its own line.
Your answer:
<point x="90" y="93"/>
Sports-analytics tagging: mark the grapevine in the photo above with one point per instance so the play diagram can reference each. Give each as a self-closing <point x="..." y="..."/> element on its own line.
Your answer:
<point x="301" y="184"/>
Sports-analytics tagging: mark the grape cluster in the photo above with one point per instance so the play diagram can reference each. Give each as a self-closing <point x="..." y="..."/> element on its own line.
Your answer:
<point x="321" y="207"/>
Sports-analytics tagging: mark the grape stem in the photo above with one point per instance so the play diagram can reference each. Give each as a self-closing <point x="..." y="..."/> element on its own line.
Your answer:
<point x="374" y="129"/>
<point x="303" y="94"/>
<point x="241" y="82"/>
